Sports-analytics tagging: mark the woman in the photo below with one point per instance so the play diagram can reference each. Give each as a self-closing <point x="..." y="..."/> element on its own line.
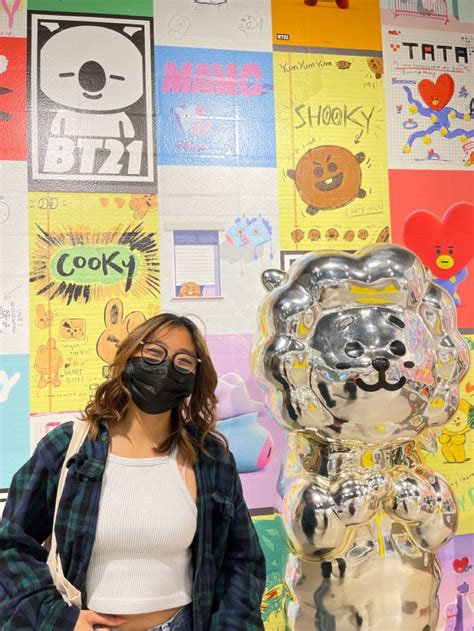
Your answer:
<point x="152" y="527"/>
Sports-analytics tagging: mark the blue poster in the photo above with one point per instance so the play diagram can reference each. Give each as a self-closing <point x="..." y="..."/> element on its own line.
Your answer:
<point x="215" y="107"/>
<point x="14" y="415"/>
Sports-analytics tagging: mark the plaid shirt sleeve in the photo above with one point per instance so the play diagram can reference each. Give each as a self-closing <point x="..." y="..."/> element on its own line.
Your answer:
<point x="241" y="581"/>
<point x="28" y="598"/>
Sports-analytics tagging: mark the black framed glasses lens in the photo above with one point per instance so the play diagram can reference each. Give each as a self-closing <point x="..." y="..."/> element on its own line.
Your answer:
<point x="155" y="354"/>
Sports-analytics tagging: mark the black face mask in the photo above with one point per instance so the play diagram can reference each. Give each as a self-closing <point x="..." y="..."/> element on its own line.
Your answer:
<point x="156" y="389"/>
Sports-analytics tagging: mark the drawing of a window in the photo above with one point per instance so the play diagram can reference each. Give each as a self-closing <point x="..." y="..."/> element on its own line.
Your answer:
<point x="196" y="264"/>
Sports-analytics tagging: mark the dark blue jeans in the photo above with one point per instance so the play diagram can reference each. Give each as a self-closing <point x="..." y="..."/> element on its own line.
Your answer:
<point x="181" y="621"/>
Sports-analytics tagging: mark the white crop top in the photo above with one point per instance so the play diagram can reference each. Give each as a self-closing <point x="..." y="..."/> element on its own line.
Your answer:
<point x="141" y="559"/>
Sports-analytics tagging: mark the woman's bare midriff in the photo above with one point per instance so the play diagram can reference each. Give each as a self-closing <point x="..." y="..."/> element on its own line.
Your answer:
<point x="142" y="621"/>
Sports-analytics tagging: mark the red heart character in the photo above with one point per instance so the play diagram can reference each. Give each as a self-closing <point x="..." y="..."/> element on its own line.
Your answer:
<point x="444" y="245"/>
<point x="437" y="95"/>
<point x="459" y="565"/>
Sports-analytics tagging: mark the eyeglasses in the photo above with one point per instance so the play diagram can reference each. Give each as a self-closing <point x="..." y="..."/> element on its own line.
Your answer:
<point x="154" y="354"/>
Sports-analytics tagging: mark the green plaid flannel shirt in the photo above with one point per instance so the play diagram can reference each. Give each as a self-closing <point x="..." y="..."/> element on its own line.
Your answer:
<point x="228" y="563"/>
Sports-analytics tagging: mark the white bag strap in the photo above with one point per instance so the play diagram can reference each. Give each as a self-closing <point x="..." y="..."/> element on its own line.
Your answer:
<point x="67" y="590"/>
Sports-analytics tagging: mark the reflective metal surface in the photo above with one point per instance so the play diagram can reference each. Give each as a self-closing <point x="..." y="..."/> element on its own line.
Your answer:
<point x="361" y="357"/>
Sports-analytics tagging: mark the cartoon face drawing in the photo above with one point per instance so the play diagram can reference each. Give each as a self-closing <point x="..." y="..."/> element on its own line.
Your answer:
<point x="376" y="66"/>
<point x="91" y="68"/>
<point x="178" y="26"/>
<point x="192" y="119"/>
<point x="72" y="329"/>
<point x="437" y="95"/>
<point x="142" y="204"/>
<point x="297" y="235"/>
<point x="328" y="177"/>
<point x="189" y="289"/>
<point x="332" y="234"/>
<point x="249" y="20"/>
<point x="117" y="327"/>
<point x="257" y="232"/>
<point x="314" y="234"/>
<point x="233" y="235"/>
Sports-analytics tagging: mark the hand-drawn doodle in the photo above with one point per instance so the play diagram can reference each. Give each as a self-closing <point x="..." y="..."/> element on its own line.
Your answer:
<point x="44" y="317"/>
<point x="72" y="329"/>
<point x="116" y="329"/>
<point x="453" y="434"/>
<point x="328" y="177"/>
<point x="48" y="363"/>
<point x="221" y="4"/>
<point x="249" y="22"/>
<point x="376" y="66"/>
<point x="249" y="234"/>
<point x="193" y="119"/>
<point x="436" y="9"/>
<point x="143" y="204"/>
<point x="436" y="97"/>
<point x="178" y="26"/>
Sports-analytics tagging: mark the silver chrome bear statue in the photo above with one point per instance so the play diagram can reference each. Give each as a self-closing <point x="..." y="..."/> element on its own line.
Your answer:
<point x="361" y="356"/>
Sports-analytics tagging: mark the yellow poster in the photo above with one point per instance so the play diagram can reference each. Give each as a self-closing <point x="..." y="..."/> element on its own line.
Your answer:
<point x="94" y="276"/>
<point x="454" y="458"/>
<point x="331" y="151"/>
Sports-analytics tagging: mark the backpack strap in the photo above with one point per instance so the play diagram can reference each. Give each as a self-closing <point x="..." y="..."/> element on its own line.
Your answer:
<point x="69" y="593"/>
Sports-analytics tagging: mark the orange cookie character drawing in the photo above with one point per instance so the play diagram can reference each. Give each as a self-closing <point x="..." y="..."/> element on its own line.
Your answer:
<point x="376" y="65"/>
<point x="328" y="177"/>
<point x="143" y="204"/>
<point x="190" y="289"/>
<point x="297" y="235"/>
<point x="116" y="329"/>
<point x="48" y="361"/>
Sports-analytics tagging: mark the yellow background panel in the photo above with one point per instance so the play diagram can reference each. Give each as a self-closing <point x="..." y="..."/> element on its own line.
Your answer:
<point x="73" y="238"/>
<point x="454" y="457"/>
<point x="334" y="100"/>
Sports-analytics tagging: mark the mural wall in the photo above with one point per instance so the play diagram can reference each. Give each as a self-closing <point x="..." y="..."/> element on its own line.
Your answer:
<point x="161" y="155"/>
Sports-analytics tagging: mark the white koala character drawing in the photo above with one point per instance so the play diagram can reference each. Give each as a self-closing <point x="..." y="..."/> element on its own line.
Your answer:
<point x="95" y="72"/>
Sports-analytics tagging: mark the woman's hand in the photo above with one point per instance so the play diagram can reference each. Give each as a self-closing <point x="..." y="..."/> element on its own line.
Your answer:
<point x="89" y="620"/>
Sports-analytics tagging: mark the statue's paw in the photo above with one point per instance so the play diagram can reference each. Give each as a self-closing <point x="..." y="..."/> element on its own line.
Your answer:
<point x="312" y="520"/>
<point x="423" y="501"/>
<point x="358" y="497"/>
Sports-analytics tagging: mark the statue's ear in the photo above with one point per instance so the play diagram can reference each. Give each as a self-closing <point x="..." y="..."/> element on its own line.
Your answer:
<point x="273" y="278"/>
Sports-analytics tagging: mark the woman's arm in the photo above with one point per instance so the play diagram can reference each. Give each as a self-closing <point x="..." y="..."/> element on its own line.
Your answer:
<point x="241" y="580"/>
<point x="28" y="598"/>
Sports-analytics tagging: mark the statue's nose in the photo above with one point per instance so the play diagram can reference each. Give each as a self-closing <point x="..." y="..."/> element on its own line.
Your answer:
<point x="380" y="363"/>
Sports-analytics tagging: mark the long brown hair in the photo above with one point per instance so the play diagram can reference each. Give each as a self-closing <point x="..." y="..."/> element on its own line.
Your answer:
<point x="111" y="399"/>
